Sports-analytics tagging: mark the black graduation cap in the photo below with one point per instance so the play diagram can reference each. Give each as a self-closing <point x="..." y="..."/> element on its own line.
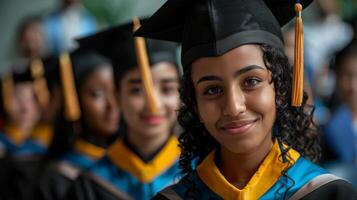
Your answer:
<point x="20" y="72"/>
<point x="212" y="27"/>
<point x="117" y="44"/>
<point x="84" y="62"/>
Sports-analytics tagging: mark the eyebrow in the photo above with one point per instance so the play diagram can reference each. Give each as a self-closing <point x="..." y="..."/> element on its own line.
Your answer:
<point x="247" y="69"/>
<point x="237" y="73"/>
<point x="164" y="80"/>
<point x="168" y="80"/>
<point x="134" y="81"/>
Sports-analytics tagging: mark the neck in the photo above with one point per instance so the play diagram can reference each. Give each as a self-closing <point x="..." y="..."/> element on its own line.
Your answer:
<point x="16" y="133"/>
<point x="102" y="140"/>
<point x="239" y="168"/>
<point x="146" y="146"/>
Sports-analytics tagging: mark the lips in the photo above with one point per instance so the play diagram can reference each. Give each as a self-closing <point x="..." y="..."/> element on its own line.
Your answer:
<point x="238" y="127"/>
<point x="153" y="120"/>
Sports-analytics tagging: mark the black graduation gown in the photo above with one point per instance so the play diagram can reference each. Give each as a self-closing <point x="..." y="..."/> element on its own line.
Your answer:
<point x="59" y="175"/>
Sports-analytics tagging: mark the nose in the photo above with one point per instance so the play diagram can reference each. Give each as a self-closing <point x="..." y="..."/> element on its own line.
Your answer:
<point x="112" y="102"/>
<point x="158" y="101"/>
<point x="234" y="102"/>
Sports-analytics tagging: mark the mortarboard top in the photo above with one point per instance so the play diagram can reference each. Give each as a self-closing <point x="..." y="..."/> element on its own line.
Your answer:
<point x="117" y="44"/>
<point x="20" y="72"/>
<point x="213" y="27"/>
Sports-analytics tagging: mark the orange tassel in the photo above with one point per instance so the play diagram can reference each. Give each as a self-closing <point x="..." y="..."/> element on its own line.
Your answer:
<point x="144" y="66"/>
<point x="298" y="72"/>
<point x="7" y="87"/>
<point x="40" y="84"/>
<point x="71" y="105"/>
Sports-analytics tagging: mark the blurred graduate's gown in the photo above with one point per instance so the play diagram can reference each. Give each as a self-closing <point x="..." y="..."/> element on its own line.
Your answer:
<point x="124" y="174"/>
<point x="21" y="160"/>
<point x="266" y="184"/>
<point x="59" y="175"/>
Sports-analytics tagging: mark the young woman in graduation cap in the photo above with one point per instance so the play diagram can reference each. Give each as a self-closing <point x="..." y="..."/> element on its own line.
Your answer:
<point x="88" y="124"/>
<point x="246" y="127"/>
<point x="21" y="154"/>
<point x="145" y="160"/>
<point x="20" y="111"/>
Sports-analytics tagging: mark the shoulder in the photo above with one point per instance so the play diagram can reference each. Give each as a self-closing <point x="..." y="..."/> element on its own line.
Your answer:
<point x="327" y="187"/>
<point x="90" y="186"/>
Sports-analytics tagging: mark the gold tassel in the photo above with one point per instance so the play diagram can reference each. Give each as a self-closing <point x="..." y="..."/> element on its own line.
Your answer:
<point x="298" y="73"/>
<point x="7" y="87"/>
<point x="40" y="84"/>
<point x="144" y="66"/>
<point x="71" y="105"/>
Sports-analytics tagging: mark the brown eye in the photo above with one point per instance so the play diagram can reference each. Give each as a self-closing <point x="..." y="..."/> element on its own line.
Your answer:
<point x="135" y="90"/>
<point x="98" y="94"/>
<point x="211" y="91"/>
<point x="252" y="82"/>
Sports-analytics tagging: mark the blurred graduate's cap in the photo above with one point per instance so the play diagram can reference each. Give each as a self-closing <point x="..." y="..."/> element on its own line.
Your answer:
<point x="117" y="44"/>
<point x="208" y="28"/>
<point x="17" y="73"/>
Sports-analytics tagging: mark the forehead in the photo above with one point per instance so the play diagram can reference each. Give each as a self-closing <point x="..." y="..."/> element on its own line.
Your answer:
<point x="159" y="71"/>
<point x="234" y="59"/>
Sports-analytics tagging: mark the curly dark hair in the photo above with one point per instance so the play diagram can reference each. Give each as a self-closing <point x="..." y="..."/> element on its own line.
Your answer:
<point x="293" y="125"/>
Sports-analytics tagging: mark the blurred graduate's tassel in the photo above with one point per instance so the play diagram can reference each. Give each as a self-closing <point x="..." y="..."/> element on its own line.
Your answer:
<point x="7" y="88"/>
<point x="71" y="105"/>
<point x="40" y="84"/>
<point x="298" y="73"/>
<point x="144" y="66"/>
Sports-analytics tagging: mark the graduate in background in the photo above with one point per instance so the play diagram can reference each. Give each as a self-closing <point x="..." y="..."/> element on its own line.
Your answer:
<point x="247" y="127"/>
<point x="145" y="160"/>
<point x="21" y="152"/>
<point x="340" y="133"/>
<point x="91" y="115"/>
<point x="20" y="111"/>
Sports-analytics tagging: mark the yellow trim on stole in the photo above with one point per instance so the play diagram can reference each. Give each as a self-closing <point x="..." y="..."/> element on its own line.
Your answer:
<point x="89" y="149"/>
<point x="14" y="134"/>
<point x="268" y="173"/>
<point x="43" y="133"/>
<point x="144" y="172"/>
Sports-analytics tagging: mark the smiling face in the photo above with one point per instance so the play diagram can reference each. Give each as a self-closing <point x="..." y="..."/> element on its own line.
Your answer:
<point x="236" y="98"/>
<point x="132" y="99"/>
<point x="98" y="102"/>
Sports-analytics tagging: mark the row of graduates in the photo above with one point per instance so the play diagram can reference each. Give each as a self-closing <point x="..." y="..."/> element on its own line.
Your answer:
<point x="247" y="130"/>
<point x="104" y="129"/>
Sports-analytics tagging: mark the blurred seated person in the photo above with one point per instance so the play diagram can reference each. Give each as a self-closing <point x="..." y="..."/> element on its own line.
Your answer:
<point x="71" y="20"/>
<point x="340" y="133"/>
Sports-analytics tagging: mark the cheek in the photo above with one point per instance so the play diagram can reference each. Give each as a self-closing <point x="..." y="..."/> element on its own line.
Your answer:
<point x="172" y="102"/>
<point x="92" y="108"/>
<point x="209" y="111"/>
<point x="263" y="103"/>
<point x="131" y="106"/>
